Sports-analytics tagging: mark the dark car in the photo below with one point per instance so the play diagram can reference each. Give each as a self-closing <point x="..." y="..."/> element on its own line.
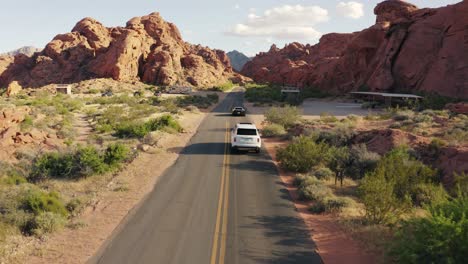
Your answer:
<point x="238" y="111"/>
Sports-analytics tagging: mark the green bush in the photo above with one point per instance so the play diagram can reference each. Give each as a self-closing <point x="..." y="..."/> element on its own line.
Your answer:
<point x="262" y="93"/>
<point x="429" y="194"/>
<point x="303" y="154"/>
<point x="440" y="238"/>
<point x="140" y="129"/>
<point x="273" y="130"/>
<point x="361" y="161"/>
<point x="322" y="173"/>
<point x="387" y="191"/>
<point x="196" y="100"/>
<point x="116" y="154"/>
<point x="74" y="206"/>
<point x="286" y="116"/>
<point x="14" y="179"/>
<point x="314" y="192"/>
<point x="89" y="161"/>
<point x="338" y="136"/>
<point x="435" y="102"/>
<point x="85" y="161"/>
<point x="337" y="204"/>
<point x="27" y="123"/>
<point x="328" y="118"/>
<point x="38" y="202"/>
<point x="47" y="222"/>
<point x="224" y="87"/>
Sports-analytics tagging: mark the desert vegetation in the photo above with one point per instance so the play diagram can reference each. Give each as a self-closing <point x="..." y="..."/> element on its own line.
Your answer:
<point x="384" y="177"/>
<point x="68" y="148"/>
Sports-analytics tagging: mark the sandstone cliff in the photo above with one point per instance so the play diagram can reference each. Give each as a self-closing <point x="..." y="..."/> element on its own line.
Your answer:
<point x="407" y="50"/>
<point x="147" y="49"/>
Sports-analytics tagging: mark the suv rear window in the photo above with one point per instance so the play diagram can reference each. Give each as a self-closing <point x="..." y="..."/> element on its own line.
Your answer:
<point x="246" y="132"/>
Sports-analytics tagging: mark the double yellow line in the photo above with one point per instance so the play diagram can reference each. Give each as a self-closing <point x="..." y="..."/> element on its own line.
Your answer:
<point x="220" y="234"/>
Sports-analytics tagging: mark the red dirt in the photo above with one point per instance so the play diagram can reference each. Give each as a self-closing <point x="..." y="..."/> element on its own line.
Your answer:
<point x="333" y="245"/>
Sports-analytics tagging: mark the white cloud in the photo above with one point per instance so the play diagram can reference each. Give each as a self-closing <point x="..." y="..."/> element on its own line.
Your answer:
<point x="284" y="22"/>
<point x="350" y="9"/>
<point x="237" y="6"/>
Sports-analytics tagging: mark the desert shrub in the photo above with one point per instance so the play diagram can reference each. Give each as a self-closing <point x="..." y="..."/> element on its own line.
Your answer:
<point x="74" y="206"/>
<point x="305" y="180"/>
<point x="456" y="135"/>
<point x="224" y="86"/>
<point x="317" y="208"/>
<point x="286" y="116"/>
<point x="429" y="194"/>
<point x="337" y="204"/>
<point x="38" y="202"/>
<point x="15" y="179"/>
<point x="436" y="146"/>
<point x="273" y="130"/>
<point x="460" y="187"/>
<point x="303" y="154"/>
<point x="322" y="173"/>
<point x="353" y="118"/>
<point x="135" y="129"/>
<point x="387" y="191"/>
<point x="54" y="165"/>
<point x="116" y="154"/>
<point x="338" y="136"/>
<point x="361" y="161"/>
<point x="262" y="93"/>
<point x="314" y="192"/>
<point x="27" y="123"/>
<point x="47" y="222"/>
<point x="89" y="161"/>
<point x="327" y="118"/>
<point x="420" y="118"/>
<point x="396" y="125"/>
<point x="435" y="101"/>
<point x="141" y="129"/>
<point x="442" y="237"/>
<point x="85" y="161"/>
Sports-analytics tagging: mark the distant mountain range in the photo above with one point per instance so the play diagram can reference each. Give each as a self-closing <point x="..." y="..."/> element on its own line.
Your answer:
<point x="27" y="50"/>
<point x="238" y="59"/>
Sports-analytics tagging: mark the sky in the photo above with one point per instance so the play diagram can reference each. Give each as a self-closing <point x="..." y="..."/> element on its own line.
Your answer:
<point x="245" y="25"/>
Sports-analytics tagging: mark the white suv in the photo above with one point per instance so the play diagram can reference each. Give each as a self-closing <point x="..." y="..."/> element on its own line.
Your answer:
<point x="245" y="136"/>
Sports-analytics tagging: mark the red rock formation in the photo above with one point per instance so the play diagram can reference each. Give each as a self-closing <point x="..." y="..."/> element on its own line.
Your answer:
<point x="407" y="50"/>
<point x="148" y="49"/>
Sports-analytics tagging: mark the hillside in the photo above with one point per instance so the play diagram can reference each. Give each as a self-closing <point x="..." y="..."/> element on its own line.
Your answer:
<point x="407" y="50"/>
<point x="147" y="49"/>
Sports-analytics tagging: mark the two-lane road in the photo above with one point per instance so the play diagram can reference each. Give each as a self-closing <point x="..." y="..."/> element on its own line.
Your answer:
<point x="214" y="207"/>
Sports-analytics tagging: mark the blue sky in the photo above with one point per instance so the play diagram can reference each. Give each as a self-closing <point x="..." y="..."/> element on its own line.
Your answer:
<point x="246" y="25"/>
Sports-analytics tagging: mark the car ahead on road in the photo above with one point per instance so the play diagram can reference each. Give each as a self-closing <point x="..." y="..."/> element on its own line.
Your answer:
<point x="245" y="136"/>
<point x="238" y="111"/>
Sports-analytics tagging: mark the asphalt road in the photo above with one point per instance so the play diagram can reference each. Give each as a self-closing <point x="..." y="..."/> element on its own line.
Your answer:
<point x="214" y="207"/>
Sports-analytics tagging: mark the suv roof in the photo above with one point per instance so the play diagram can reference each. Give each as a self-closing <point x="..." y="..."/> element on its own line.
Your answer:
<point x="246" y="125"/>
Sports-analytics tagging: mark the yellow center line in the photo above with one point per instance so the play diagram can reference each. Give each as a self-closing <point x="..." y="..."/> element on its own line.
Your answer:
<point x="214" y="250"/>
<point x="222" y="253"/>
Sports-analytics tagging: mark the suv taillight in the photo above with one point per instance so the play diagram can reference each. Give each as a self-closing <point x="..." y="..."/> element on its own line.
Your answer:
<point x="258" y="140"/>
<point x="234" y="139"/>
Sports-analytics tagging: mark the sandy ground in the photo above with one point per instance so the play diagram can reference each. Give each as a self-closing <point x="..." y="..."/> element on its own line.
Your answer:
<point x="333" y="245"/>
<point x="114" y="203"/>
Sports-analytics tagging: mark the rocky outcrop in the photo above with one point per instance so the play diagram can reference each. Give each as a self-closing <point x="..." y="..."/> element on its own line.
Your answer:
<point x="147" y="49"/>
<point x="407" y="50"/>
<point x="14" y="140"/>
<point x="13" y="89"/>
<point x="238" y="59"/>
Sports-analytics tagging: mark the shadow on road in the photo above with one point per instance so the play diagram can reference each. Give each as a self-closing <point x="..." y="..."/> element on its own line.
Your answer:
<point x="292" y="241"/>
